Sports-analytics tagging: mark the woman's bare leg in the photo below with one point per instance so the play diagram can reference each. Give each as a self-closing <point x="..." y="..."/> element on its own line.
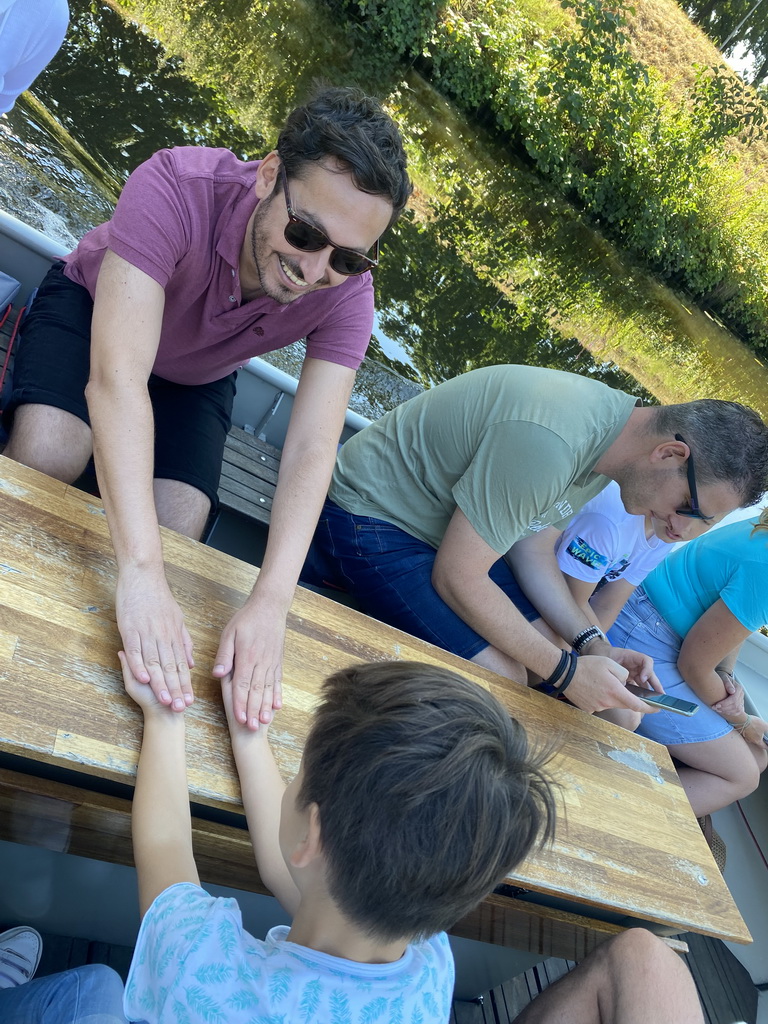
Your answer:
<point x="716" y="772"/>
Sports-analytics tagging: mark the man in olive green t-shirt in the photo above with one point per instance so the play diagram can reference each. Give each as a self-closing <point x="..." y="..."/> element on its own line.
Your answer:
<point x="425" y="503"/>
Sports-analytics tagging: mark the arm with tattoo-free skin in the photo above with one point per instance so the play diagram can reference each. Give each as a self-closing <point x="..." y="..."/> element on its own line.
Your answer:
<point x="127" y="317"/>
<point x="534" y="563"/>
<point x="608" y="601"/>
<point x="460" y="577"/>
<point x="161" y="824"/>
<point x="711" y="640"/>
<point x="262" y="789"/>
<point x="251" y="646"/>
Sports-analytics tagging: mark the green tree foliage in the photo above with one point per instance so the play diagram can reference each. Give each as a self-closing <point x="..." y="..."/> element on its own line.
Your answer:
<point x="652" y="174"/>
<point x="115" y="87"/>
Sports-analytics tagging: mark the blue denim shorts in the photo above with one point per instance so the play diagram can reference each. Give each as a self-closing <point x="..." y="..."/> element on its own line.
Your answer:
<point x="389" y="573"/>
<point x="641" y="628"/>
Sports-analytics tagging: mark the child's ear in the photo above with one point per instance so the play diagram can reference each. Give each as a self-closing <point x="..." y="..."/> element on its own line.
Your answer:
<point x="310" y="846"/>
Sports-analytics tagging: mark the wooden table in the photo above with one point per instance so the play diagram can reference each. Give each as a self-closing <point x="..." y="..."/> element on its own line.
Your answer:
<point x="628" y="848"/>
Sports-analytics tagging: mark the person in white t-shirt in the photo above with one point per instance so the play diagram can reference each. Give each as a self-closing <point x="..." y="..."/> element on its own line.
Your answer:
<point x="603" y="554"/>
<point x="31" y="32"/>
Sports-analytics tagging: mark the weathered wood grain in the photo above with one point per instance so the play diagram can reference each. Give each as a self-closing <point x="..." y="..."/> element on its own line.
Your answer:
<point x="627" y="842"/>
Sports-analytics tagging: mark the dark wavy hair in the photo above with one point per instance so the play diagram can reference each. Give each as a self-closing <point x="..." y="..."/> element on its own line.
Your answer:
<point x="729" y="442"/>
<point x="428" y="792"/>
<point x="355" y="129"/>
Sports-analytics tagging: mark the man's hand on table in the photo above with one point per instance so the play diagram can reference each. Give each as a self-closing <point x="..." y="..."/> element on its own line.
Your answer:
<point x="142" y="694"/>
<point x="251" y="650"/>
<point x="158" y="648"/>
<point x="599" y="683"/>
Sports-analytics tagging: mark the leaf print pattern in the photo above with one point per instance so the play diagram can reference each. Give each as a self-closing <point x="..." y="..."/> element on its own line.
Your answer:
<point x="195" y="964"/>
<point x="396" y="1007"/>
<point x="243" y="999"/>
<point x="213" y="974"/>
<point x="310" y="1000"/>
<point x="204" y="1005"/>
<point x="279" y="983"/>
<point x="180" y="1014"/>
<point x="430" y="1004"/>
<point x="227" y="936"/>
<point x="374" y="1010"/>
<point x="339" y="1007"/>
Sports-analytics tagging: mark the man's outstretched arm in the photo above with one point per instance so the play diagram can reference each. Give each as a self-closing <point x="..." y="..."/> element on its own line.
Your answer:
<point x="127" y="318"/>
<point x="251" y="646"/>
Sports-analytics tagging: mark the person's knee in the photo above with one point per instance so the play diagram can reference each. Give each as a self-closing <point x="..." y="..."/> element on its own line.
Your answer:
<point x="51" y="441"/>
<point x="99" y="994"/>
<point x="749" y="781"/>
<point x="636" y="943"/>
<point x="623" y="717"/>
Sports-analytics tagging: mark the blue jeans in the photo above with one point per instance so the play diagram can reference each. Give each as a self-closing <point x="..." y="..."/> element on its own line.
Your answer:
<point x="84" y="995"/>
<point x="389" y="572"/>
<point x="640" y="627"/>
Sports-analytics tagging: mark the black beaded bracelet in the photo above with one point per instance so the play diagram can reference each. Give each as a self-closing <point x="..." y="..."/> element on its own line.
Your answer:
<point x="573" y="658"/>
<point x="586" y="636"/>
<point x="552" y="679"/>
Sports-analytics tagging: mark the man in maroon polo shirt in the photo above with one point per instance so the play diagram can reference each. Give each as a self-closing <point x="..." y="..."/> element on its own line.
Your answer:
<point x="131" y="349"/>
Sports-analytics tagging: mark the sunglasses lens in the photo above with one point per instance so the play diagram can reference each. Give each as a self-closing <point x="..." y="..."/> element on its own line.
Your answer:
<point x="304" y="237"/>
<point x="349" y="263"/>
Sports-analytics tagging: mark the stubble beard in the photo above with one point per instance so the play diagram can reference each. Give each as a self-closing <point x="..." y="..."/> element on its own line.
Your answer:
<point x="260" y="245"/>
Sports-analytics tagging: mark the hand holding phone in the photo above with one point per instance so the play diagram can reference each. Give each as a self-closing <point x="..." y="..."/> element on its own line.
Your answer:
<point x="663" y="701"/>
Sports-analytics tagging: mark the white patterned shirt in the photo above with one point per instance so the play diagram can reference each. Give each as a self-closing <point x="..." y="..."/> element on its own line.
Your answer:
<point x="194" y="963"/>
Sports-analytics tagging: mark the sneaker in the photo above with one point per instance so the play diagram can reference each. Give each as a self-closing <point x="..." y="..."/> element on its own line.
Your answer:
<point x="20" y="951"/>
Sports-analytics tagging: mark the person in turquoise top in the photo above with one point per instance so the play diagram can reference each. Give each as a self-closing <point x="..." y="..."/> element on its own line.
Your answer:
<point x="692" y="615"/>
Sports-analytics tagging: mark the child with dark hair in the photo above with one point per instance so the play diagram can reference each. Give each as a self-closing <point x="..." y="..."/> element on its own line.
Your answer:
<point x="416" y="795"/>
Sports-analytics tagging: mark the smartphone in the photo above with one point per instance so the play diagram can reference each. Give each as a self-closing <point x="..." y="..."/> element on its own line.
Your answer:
<point x="663" y="701"/>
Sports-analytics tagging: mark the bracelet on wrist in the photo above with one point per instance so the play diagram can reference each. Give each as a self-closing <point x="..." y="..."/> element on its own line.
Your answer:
<point x="744" y="725"/>
<point x="573" y="660"/>
<point x="586" y="636"/>
<point x="559" y="670"/>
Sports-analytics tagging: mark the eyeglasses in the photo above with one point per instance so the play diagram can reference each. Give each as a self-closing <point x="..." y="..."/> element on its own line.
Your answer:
<point x="306" y="238"/>
<point x="694" y="512"/>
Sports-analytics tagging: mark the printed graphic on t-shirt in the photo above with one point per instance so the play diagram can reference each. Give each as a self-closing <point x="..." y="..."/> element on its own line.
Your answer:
<point x="560" y="510"/>
<point x="586" y="554"/>
<point x="616" y="570"/>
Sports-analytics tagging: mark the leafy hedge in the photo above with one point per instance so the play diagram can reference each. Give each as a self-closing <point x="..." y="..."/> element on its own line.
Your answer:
<point x="654" y="175"/>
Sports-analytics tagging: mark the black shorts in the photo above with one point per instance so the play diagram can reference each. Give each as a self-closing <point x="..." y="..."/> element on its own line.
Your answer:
<point x="52" y="366"/>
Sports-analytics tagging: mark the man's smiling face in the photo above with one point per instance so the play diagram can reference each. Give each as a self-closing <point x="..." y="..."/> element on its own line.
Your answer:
<point x="326" y="197"/>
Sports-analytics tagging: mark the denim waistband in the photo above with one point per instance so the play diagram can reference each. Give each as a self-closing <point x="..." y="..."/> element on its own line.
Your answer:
<point x="646" y="609"/>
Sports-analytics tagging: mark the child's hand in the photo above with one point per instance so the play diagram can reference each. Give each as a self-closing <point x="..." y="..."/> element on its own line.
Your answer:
<point x="237" y="728"/>
<point x="141" y="693"/>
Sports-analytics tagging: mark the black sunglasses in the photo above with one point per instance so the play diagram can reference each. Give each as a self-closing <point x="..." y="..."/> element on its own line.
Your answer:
<point x="307" y="238"/>
<point x="694" y="512"/>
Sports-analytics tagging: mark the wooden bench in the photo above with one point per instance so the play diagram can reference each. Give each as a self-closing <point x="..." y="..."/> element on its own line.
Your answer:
<point x="248" y="475"/>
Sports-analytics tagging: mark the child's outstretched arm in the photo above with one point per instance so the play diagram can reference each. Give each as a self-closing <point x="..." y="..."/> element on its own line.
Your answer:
<point x="161" y="823"/>
<point x="262" y="791"/>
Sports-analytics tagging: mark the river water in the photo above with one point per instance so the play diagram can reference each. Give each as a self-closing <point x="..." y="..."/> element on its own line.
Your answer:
<point x="488" y="265"/>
